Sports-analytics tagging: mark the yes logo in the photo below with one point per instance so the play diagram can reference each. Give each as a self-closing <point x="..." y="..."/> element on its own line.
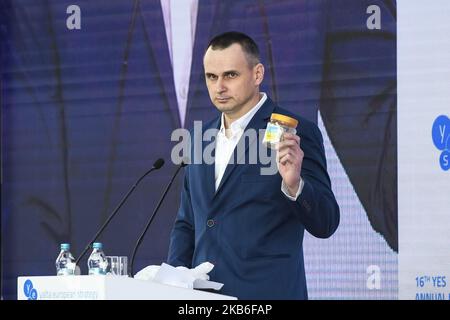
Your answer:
<point x="29" y="291"/>
<point x="441" y="139"/>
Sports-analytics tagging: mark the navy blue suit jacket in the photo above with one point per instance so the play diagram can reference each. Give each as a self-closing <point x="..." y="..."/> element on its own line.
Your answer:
<point x="248" y="228"/>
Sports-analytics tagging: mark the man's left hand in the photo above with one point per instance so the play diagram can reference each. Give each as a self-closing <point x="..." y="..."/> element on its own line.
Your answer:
<point x="290" y="158"/>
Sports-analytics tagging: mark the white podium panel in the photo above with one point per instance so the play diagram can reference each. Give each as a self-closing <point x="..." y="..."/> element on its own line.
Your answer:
<point x="104" y="288"/>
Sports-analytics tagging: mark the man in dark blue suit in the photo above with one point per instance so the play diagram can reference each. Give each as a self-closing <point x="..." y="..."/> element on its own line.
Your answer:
<point x="250" y="225"/>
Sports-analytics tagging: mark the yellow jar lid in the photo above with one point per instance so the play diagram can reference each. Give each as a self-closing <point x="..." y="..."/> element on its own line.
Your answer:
<point x="291" y="122"/>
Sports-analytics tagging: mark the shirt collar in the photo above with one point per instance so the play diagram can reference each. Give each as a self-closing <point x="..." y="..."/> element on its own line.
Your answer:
<point x="242" y="122"/>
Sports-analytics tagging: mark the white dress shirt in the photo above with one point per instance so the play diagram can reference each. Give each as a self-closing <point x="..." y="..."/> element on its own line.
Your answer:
<point x="180" y="19"/>
<point x="225" y="145"/>
<point x="227" y="140"/>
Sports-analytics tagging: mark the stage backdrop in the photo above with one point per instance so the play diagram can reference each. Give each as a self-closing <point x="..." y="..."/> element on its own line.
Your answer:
<point x="89" y="101"/>
<point x="424" y="150"/>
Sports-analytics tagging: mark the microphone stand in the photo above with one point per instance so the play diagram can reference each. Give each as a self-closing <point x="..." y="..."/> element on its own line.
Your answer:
<point x="141" y="237"/>
<point x="158" y="164"/>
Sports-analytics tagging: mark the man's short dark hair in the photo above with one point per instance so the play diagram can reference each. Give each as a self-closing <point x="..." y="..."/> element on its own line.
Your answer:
<point x="225" y="40"/>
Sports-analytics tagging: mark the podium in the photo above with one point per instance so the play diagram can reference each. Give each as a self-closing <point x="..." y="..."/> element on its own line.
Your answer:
<point x="105" y="288"/>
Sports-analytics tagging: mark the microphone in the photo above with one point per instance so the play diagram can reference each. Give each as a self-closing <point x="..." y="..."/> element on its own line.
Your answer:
<point x="130" y="270"/>
<point x="156" y="165"/>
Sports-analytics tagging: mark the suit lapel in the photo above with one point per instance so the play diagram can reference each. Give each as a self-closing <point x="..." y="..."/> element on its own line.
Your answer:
<point x="153" y="21"/>
<point x="208" y="171"/>
<point x="259" y="121"/>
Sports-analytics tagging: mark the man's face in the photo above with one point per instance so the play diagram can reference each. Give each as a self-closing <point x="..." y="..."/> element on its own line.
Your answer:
<point x="233" y="84"/>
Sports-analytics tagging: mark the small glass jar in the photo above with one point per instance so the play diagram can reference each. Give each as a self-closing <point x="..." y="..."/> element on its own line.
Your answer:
<point x="276" y="127"/>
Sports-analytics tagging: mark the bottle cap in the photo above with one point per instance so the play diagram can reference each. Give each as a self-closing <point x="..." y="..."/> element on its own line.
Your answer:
<point x="291" y="122"/>
<point x="97" y="245"/>
<point x="65" y="246"/>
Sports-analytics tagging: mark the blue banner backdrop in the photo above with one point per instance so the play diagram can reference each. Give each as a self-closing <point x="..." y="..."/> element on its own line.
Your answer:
<point x="85" y="111"/>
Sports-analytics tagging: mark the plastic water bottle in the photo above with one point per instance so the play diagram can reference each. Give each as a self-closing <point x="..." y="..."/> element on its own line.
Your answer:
<point x="97" y="263"/>
<point x="65" y="263"/>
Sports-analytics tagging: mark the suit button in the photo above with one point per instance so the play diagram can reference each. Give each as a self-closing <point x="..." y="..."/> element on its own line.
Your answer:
<point x="210" y="223"/>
